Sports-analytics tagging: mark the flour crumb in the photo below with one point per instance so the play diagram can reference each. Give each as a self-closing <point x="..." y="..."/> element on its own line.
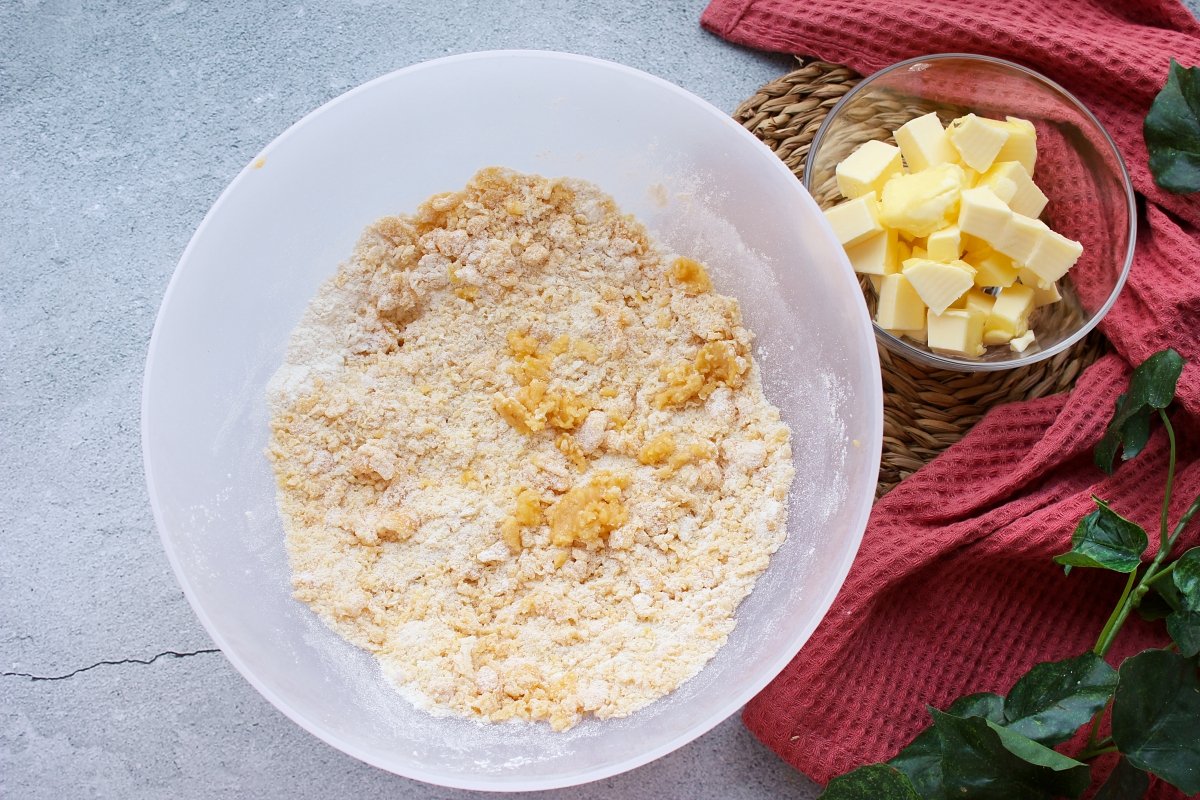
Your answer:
<point x="523" y="455"/>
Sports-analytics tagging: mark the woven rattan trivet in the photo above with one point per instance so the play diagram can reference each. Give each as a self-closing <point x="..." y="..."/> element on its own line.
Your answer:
<point x="924" y="411"/>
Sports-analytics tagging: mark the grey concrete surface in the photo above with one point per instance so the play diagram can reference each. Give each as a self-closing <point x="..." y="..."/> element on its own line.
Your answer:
<point x="120" y="123"/>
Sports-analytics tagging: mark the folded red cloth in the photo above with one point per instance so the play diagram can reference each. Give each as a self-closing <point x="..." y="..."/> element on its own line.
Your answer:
<point x="953" y="590"/>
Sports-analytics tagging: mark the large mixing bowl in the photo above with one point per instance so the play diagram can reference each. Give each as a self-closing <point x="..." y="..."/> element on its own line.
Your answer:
<point x="701" y="183"/>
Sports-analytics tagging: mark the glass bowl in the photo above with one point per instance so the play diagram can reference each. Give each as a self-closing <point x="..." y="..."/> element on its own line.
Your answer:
<point x="1078" y="168"/>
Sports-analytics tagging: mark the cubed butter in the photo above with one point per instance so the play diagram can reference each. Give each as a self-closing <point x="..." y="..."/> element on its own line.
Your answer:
<point x="875" y="255"/>
<point x="1021" y="145"/>
<point x="1020" y="343"/>
<point x="1031" y="279"/>
<point x="956" y="330"/>
<point x="922" y="202"/>
<point x="973" y="246"/>
<point x="1021" y="237"/>
<point x="917" y="335"/>
<point x="992" y="338"/>
<point x="868" y="168"/>
<point x="945" y="228"/>
<point x="899" y="306"/>
<point x="994" y="269"/>
<point x="979" y="301"/>
<point x="855" y="220"/>
<point x="977" y="142"/>
<point x="924" y="143"/>
<point x="1013" y="185"/>
<point x="938" y="284"/>
<point x="1053" y="256"/>
<point x="1043" y="293"/>
<point x="944" y="245"/>
<point x="983" y="215"/>
<point x="1010" y="313"/>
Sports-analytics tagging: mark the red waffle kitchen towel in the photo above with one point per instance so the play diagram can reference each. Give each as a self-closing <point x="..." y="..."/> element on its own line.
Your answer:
<point x="953" y="590"/>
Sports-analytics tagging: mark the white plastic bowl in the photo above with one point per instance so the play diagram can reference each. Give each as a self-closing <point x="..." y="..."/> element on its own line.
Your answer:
<point x="282" y="227"/>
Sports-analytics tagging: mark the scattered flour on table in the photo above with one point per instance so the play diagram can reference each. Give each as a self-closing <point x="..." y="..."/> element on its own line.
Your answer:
<point x="523" y="455"/>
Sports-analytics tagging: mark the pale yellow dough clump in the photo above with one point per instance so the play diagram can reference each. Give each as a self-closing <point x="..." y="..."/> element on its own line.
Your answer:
<point x="524" y="457"/>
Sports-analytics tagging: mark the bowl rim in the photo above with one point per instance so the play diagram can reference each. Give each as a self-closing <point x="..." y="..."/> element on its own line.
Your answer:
<point x="936" y="360"/>
<point x="872" y="440"/>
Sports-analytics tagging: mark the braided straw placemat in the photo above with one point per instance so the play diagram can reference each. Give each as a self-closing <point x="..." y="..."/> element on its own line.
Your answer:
<point x="924" y="411"/>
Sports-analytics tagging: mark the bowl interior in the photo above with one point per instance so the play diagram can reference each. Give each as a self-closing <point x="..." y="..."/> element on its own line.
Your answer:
<point x="282" y="227"/>
<point x="1078" y="168"/>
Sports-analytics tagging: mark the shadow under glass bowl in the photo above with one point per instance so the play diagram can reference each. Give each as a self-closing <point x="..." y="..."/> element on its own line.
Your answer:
<point x="1078" y="168"/>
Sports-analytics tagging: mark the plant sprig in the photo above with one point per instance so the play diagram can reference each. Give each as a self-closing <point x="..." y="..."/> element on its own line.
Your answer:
<point x="991" y="747"/>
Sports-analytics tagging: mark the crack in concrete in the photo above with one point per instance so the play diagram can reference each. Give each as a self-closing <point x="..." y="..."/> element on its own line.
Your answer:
<point x="145" y="661"/>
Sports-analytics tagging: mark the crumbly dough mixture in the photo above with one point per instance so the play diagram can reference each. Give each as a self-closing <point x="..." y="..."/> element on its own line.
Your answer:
<point x="524" y="457"/>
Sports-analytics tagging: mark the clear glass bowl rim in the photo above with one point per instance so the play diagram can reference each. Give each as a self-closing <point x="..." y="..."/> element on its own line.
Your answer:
<point x="935" y="360"/>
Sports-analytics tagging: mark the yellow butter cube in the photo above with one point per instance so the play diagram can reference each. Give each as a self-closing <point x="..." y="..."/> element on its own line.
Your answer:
<point x="899" y="307"/>
<point x="1031" y="279"/>
<point x="1010" y="313"/>
<point x="1020" y="343"/>
<point x="855" y="220"/>
<point x="875" y="255"/>
<point x="973" y="246"/>
<point x="983" y="215"/>
<point x="1013" y="185"/>
<point x="1053" y="256"/>
<point x="876" y="283"/>
<point x="924" y="143"/>
<point x="903" y="251"/>
<point x="920" y="203"/>
<point x="994" y="269"/>
<point x="991" y="338"/>
<point x="979" y="301"/>
<point x="917" y="335"/>
<point x="938" y="284"/>
<point x="944" y="245"/>
<point x="1021" y="145"/>
<point x="868" y="168"/>
<point x="1021" y="237"/>
<point x="958" y="331"/>
<point x="977" y="142"/>
<point x="1043" y="293"/>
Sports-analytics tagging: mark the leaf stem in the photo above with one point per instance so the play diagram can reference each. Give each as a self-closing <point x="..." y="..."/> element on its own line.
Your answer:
<point x="1185" y="519"/>
<point x="1094" y="733"/>
<point x="1099" y="751"/>
<point x="1166" y="505"/>
<point x="1162" y="573"/>
<point x="1132" y="596"/>
<point x="1117" y="618"/>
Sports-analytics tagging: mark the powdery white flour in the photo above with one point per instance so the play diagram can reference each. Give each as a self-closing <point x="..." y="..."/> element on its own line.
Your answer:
<point x="523" y="455"/>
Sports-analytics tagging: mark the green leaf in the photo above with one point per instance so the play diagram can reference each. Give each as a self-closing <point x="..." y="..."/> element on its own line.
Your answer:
<point x="1125" y="782"/>
<point x="1186" y="577"/>
<point x="1136" y="432"/>
<point x="1106" y="539"/>
<point x="982" y="760"/>
<point x="1153" y="606"/>
<point x="1172" y="131"/>
<point x="1054" y="699"/>
<point x="1184" y="627"/>
<point x="872" y="782"/>
<point x="921" y="760"/>
<point x="1151" y="387"/>
<point x="1156" y="716"/>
